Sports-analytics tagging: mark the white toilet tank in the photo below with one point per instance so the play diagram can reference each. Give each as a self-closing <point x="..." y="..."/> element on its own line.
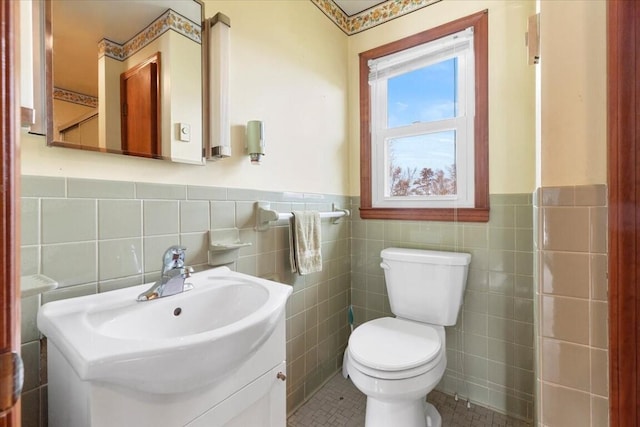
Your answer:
<point x="425" y="286"/>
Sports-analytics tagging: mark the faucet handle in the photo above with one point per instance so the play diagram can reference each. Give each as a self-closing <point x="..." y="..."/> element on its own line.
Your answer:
<point x="173" y="258"/>
<point x="186" y="271"/>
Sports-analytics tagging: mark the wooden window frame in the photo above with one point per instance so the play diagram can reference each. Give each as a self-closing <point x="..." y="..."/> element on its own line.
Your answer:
<point x="480" y="212"/>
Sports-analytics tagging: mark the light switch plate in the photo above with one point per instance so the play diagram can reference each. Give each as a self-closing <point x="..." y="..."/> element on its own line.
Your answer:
<point x="184" y="132"/>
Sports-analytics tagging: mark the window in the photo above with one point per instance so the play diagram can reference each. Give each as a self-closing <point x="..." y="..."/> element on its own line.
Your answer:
<point x="424" y="133"/>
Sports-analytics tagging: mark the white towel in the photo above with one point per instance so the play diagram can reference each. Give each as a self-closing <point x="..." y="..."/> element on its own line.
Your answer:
<point x="304" y="242"/>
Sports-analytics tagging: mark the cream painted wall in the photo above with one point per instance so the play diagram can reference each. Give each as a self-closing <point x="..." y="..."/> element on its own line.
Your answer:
<point x="67" y="113"/>
<point x="288" y="68"/>
<point x="109" y="124"/>
<point x="179" y="57"/>
<point x="574" y="110"/>
<point x="511" y="86"/>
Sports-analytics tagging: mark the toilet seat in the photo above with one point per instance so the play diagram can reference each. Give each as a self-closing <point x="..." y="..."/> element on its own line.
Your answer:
<point x="393" y="348"/>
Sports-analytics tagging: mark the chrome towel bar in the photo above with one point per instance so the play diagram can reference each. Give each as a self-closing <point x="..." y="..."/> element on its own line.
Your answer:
<point x="264" y="215"/>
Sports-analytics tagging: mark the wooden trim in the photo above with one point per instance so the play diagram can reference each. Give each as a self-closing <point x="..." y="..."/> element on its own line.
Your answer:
<point x="623" y="95"/>
<point x="27" y="116"/>
<point x="9" y="161"/>
<point x="417" y="214"/>
<point x="480" y="212"/>
<point x="153" y="60"/>
<point x="481" y="125"/>
<point x="365" y="134"/>
<point x="478" y="18"/>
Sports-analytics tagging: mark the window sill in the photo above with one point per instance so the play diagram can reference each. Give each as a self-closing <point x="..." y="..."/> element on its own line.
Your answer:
<point x="419" y="214"/>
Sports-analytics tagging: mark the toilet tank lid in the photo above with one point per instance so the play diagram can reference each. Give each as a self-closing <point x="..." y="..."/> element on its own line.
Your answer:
<point x="426" y="256"/>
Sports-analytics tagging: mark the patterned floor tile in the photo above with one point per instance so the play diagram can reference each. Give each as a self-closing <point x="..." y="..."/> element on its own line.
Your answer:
<point x="340" y="404"/>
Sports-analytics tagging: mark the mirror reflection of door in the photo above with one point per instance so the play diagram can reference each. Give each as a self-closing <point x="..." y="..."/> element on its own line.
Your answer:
<point x="140" y="108"/>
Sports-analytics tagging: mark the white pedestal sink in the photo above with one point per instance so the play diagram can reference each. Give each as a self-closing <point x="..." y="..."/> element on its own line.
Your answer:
<point x="207" y="357"/>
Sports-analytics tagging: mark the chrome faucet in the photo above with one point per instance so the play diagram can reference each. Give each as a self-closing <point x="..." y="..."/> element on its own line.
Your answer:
<point x="174" y="274"/>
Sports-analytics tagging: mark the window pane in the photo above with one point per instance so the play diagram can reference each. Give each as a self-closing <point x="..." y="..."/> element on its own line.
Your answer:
<point x="423" y="95"/>
<point x="422" y="165"/>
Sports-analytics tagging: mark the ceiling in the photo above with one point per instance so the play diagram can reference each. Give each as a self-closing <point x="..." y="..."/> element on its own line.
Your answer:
<point x="353" y="7"/>
<point x="78" y="26"/>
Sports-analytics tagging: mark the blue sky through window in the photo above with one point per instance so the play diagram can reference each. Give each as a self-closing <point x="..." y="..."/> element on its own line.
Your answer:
<point x="434" y="150"/>
<point x="423" y="95"/>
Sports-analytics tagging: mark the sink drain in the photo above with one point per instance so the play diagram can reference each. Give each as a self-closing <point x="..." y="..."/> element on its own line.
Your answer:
<point x="177" y="311"/>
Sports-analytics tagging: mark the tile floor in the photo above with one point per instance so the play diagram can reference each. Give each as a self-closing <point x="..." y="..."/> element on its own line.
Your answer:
<point x="339" y="403"/>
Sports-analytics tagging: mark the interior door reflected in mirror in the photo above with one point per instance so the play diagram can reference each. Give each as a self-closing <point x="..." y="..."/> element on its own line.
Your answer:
<point x="140" y="115"/>
<point x="125" y="77"/>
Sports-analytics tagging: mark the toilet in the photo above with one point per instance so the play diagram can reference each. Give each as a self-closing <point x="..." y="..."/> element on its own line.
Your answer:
<point x="397" y="361"/>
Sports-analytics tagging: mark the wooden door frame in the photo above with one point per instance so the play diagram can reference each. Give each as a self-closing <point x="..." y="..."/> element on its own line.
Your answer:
<point x="9" y="163"/>
<point x="155" y="60"/>
<point x="623" y="110"/>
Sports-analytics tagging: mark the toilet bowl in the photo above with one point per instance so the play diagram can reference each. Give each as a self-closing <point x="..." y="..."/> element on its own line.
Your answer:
<point x="397" y="361"/>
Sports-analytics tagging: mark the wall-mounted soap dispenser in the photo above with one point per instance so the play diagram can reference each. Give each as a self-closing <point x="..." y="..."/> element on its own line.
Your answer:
<point x="254" y="141"/>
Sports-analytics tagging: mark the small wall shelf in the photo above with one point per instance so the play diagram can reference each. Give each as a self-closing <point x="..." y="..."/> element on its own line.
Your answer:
<point x="36" y="284"/>
<point x="224" y="245"/>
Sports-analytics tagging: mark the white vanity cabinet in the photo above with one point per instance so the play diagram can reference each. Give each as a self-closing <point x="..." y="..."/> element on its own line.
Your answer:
<point x="260" y="403"/>
<point x="254" y="394"/>
<point x="211" y="355"/>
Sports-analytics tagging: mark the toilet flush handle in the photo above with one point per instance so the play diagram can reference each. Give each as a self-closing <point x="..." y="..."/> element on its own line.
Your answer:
<point x="384" y="265"/>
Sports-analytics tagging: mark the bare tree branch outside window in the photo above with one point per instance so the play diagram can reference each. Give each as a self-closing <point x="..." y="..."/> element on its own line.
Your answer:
<point x="426" y="182"/>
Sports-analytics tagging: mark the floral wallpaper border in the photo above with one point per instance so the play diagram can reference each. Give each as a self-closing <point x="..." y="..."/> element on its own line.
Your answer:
<point x="170" y="20"/>
<point x="75" y="97"/>
<point x="371" y="17"/>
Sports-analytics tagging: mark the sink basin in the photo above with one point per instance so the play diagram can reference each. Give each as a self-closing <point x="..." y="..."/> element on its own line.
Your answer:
<point x="173" y="344"/>
<point x="182" y="316"/>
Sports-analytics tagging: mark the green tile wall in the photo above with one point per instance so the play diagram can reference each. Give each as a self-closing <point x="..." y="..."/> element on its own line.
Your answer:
<point x="490" y="349"/>
<point x="96" y="236"/>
